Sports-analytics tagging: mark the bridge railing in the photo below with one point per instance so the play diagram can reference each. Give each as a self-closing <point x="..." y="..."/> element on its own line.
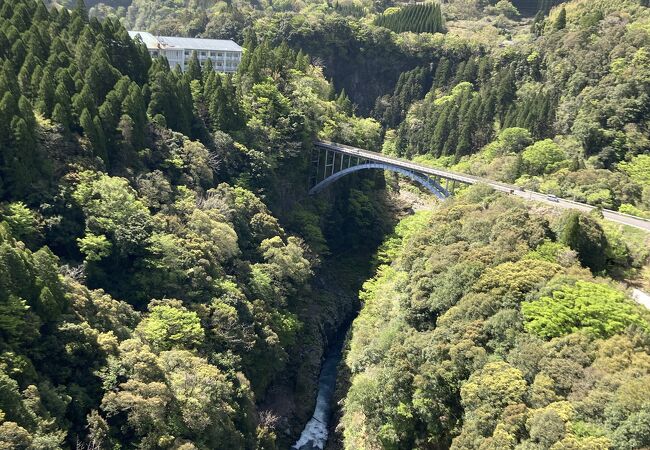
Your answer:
<point x="400" y="162"/>
<point x="463" y="178"/>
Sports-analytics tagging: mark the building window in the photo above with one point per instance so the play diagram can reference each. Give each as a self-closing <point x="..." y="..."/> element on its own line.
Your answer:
<point x="220" y="55"/>
<point x="154" y="53"/>
<point x="202" y="53"/>
<point x="187" y="53"/>
<point x="212" y="54"/>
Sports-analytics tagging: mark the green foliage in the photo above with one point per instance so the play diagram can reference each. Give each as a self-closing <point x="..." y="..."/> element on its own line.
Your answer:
<point x="175" y="389"/>
<point x="542" y="157"/>
<point x="560" y="21"/>
<point x="553" y="89"/>
<point x="114" y="161"/>
<point x="114" y="211"/>
<point x="519" y="355"/>
<point x="554" y="252"/>
<point x="95" y="247"/>
<point x="426" y="18"/>
<point x="638" y="169"/>
<point x="584" y="235"/>
<point x="22" y="221"/>
<point x="505" y="8"/>
<point x="170" y="326"/>
<point x="496" y="386"/>
<point x="590" y="307"/>
<point x="411" y="86"/>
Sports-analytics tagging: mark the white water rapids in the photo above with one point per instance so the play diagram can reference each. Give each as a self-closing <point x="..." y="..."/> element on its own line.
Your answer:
<point x="314" y="436"/>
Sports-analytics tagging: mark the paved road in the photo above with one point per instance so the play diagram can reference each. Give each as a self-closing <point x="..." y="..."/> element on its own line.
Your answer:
<point x="614" y="216"/>
<point x="641" y="297"/>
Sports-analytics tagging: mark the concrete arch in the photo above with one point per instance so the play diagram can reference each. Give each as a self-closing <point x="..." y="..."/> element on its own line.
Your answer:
<point x="431" y="185"/>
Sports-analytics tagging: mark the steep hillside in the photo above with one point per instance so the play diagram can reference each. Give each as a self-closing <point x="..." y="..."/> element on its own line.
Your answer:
<point x="483" y="330"/>
<point x="150" y="296"/>
<point x="167" y="283"/>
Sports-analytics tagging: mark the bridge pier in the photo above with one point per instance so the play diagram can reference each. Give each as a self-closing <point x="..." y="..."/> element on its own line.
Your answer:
<point x="327" y="163"/>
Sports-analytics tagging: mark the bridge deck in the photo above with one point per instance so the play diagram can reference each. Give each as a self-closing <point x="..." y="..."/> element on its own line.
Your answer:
<point x="614" y="216"/>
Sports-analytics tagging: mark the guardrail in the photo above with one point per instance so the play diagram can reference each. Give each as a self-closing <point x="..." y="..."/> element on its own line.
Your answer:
<point x="463" y="178"/>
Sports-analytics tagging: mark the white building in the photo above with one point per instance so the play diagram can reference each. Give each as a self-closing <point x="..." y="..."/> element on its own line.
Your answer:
<point x="225" y="55"/>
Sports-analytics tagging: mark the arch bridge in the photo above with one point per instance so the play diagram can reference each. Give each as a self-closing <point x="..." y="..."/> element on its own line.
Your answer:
<point x="332" y="161"/>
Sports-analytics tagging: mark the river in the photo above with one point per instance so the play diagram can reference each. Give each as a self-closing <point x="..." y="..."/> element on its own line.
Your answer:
<point x="314" y="435"/>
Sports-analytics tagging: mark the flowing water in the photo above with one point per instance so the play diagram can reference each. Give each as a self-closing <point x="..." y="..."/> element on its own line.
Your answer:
<point x="314" y="436"/>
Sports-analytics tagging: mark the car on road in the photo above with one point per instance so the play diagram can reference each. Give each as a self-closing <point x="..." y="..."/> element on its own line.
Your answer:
<point x="553" y="198"/>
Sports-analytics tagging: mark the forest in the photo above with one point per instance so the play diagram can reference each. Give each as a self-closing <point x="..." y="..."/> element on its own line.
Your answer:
<point x="416" y="18"/>
<point x="166" y="281"/>
<point x="485" y="327"/>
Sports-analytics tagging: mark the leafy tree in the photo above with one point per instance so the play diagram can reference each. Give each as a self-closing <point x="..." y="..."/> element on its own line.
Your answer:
<point x="594" y="308"/>
<point x="583" y="234"/>
<point x="638" y="169"/>
<point x="543" y="157"/>
<point x="22" y="221"/>
<point x="170" y="326"/>
<point x="113" y="209"/>
<point x="506" y="8"/>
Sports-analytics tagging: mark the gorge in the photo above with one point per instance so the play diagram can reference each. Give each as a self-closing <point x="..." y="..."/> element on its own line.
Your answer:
<point x="267" y="254"/>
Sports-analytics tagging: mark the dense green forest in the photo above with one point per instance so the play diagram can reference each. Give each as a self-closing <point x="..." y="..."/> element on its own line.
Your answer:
<point x="484" y="328"/>
<point x="167" y="283"/>
<point x="417" y="18"/>
<point x="149" y="297"/>
<point x="567" y="105"/>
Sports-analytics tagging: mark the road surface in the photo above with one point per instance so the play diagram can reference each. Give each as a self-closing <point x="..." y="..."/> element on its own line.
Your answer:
<point x="613" y="216"/>
<point x="641" y="297"/>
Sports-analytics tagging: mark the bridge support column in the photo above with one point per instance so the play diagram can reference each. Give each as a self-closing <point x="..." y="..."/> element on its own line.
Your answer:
<point x="327" y="164"/>
<point x="315" y="162"/>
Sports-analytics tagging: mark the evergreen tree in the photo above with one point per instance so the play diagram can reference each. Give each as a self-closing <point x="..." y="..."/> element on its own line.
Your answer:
<point x="193" y="71"/>
<point x="425" y="18"/>
<point x="507" y="89"/>
<point x="344" y="102"/>
<point x="84" y="100"/>
<point x="560" y="22"/>
<point x="36" y="46"/>
<point x="46" y="94"/>
<point x="584" y="235"/>
<point x="100" y="76"/>
<point x="80" y="10"/>
<point x="133" y="107"/>
<point x="20" y="166"/>
<point x="60" y="115"/>
<point x="208" y="66"/>
<point x="538" y="23"/>
<point x="99" y="143"/>
<point x="442" y="72"/>
<point x="441" y="131"/>
<point x="467" y="127"/>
